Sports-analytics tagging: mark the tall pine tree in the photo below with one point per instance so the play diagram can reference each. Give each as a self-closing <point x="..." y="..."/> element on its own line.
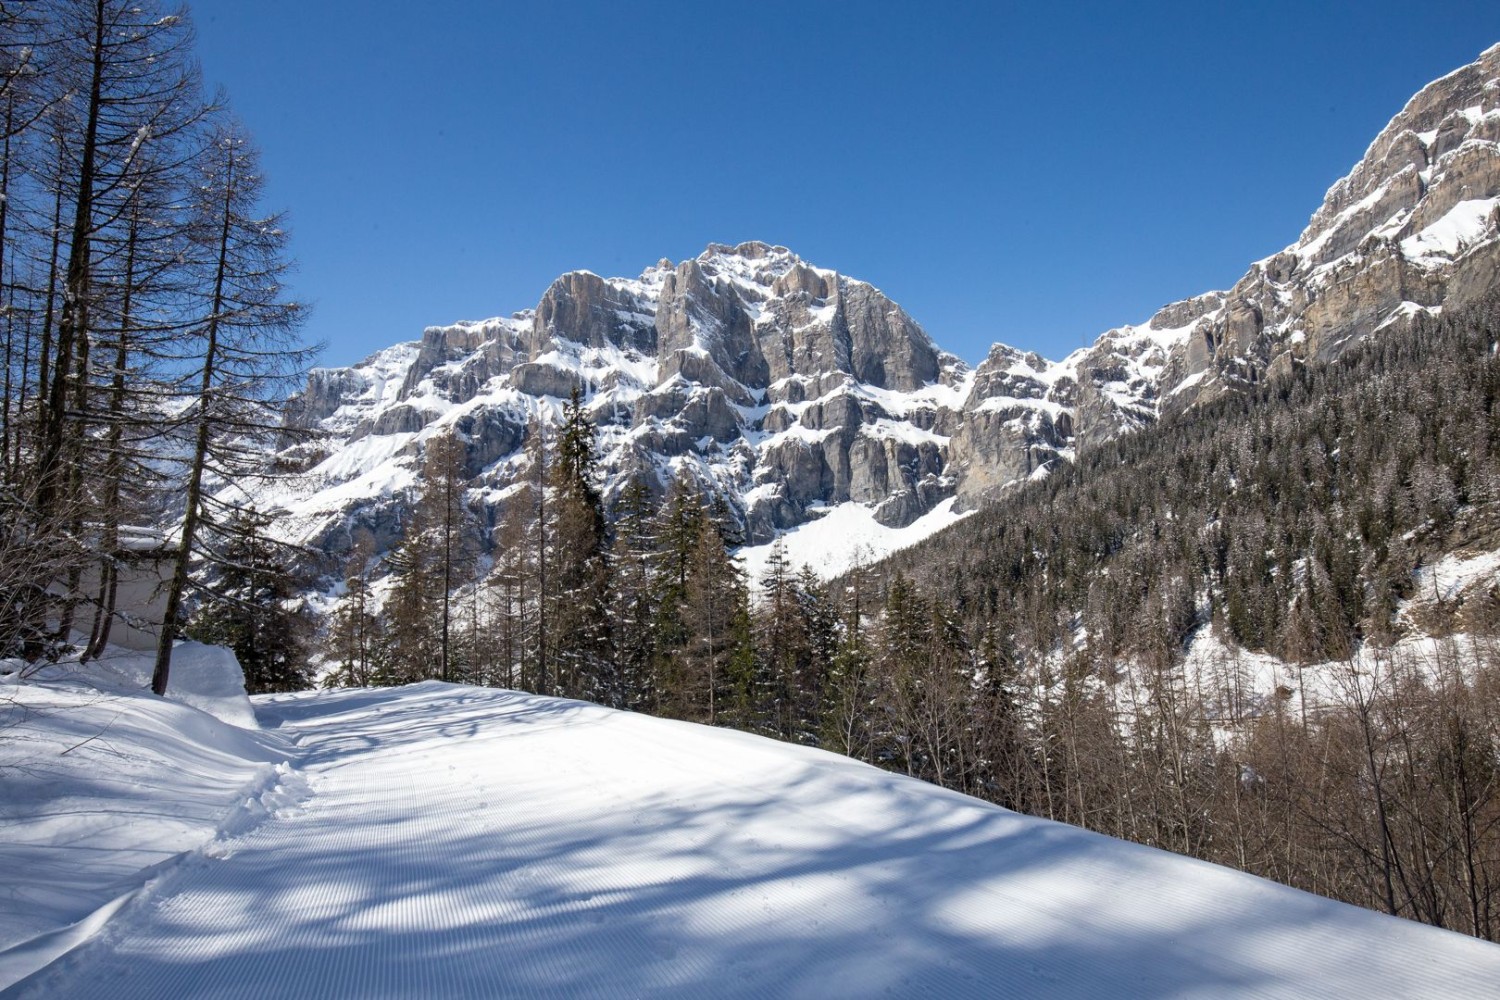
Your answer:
<point x="581" y="577"/>
<point x="254" y="607"/>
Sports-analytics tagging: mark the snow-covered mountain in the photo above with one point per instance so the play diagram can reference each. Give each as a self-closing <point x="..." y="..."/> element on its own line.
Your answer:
<point x="804" y="396"/>
<point x="1411" y="229"/>
<point x="786" y="387"/>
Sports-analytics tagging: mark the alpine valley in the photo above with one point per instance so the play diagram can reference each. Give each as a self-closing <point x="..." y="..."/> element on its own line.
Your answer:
<point x="714" y="631"/>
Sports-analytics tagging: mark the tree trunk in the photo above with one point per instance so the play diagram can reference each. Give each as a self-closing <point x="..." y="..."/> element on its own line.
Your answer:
<point x="194" y="500"/>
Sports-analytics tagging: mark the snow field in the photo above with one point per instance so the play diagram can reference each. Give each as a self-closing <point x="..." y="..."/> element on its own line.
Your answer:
<point x="455" y="841"/>
<point x="845" y="537"/>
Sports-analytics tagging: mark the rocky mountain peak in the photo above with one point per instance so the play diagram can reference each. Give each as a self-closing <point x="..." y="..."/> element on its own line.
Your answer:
<point x="1398" y="167"/>
<point x="788" y="387"/>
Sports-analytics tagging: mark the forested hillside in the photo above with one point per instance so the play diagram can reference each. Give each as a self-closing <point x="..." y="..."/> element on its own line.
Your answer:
<point x="1294" y="520"/>
<point x="1291" y="516"/>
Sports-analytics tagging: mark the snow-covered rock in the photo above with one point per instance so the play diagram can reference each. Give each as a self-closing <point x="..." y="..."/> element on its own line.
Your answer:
<point x="787" y="388"/>
<point x="1412" y="229"/>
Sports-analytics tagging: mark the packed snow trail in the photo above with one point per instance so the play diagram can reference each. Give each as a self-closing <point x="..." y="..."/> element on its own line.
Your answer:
<point x="455" y="842"/>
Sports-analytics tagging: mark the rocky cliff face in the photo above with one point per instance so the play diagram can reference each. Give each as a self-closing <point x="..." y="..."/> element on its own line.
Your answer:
<point x="1411" y="229"/>
<point x="1414" y="227"/>
<point x="786" y="387"/>
<point x="792" y="389"/>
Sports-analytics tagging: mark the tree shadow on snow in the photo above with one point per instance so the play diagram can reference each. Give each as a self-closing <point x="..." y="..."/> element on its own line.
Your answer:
<point x="832" y="880"/>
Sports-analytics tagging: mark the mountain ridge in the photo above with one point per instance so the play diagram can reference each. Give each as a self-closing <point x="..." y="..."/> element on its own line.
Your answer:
<point x="791" y="389"/>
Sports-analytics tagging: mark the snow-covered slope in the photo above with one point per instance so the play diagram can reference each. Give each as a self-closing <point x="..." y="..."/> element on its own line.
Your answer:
<point x="451" y="841"/>
<point x="104" y="787"/>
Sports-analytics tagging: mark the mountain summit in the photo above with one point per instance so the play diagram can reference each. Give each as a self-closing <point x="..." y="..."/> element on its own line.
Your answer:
<point x="785" y="387"/>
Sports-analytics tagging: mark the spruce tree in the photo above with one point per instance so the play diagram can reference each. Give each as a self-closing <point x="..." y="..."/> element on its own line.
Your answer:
<point x="540" y="563"/>
<point x="783" y="649"/>
<point x="581" y="577"/>
<point x="254" y="607"/>
<point x="632" y="559"/>
<point x="847" y="706"/>
<point x="425" y="567"/>
<point x="675" y="529"/>
<point x="818" y="625"/>
<point x="718" y="654"/>
<point x="411" y="647"/>
<point x="354" y="633"/>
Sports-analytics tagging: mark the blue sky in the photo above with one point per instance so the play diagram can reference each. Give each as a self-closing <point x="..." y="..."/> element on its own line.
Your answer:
<point x="1028" y="174"/>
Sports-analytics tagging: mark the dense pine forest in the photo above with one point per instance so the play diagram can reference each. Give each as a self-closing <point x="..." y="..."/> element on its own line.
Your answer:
<point x="1290" y="516"/>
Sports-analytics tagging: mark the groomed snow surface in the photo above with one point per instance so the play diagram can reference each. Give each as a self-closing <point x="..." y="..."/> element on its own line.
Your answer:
<point x="439" y="841"/>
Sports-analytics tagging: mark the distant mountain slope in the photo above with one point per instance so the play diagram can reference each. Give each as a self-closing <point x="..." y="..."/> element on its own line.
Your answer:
<point x="1412" y="229"/>
<point x="790" y="389"/>
<point x="450" y="841"/>
<point x="1278" y="612"/>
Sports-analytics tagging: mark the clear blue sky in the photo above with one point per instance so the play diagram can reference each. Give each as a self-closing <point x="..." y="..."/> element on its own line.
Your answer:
<point x="1031" y="174"/>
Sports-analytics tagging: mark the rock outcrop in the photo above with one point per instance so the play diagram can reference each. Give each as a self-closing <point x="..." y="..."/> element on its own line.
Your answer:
<point x="784" y="386"/>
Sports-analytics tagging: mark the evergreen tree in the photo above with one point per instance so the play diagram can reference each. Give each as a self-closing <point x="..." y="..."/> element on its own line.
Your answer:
<point x="540" y="563"/>
<point x="849" y="692"/>
<point x="676" y="529"/>
<point x="632" y="559"/>
<point x="254" y="608"/>
<point x="581" y="578"/>
<point x="904" y="640"/>
<point x="783" y="647"/>
<point x="425" y="566"/>
<point x="1003" y="759"/>
<point x="819" y="628"/>
<point x="411" y="648"/>
<point x="718" y="655"/>
<point x="355" y="635"/>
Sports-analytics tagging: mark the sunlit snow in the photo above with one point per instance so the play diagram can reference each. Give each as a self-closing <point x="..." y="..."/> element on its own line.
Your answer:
<point x="1464" y="224"/>
<point x="439" y="840"/>
<point x="846" y="536"/>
